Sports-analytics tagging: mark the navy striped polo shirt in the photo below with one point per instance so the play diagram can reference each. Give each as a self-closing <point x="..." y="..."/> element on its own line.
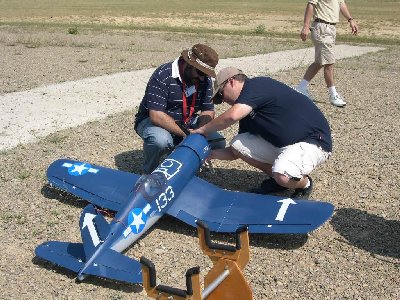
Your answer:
<point x="164" y="93"/>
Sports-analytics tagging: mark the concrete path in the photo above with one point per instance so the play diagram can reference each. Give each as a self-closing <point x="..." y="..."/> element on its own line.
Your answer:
<point x="29" y="115"/>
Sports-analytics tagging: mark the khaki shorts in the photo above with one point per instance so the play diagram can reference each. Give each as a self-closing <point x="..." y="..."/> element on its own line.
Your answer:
<point x="295" y="160"/>
<point x="323" y="37"/>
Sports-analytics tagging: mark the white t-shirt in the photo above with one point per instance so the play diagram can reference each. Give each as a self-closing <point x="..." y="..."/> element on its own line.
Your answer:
<point x="327" y="10"/>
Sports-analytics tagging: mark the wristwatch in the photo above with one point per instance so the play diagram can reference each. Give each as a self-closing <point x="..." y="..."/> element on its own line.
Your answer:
<point x="349" y="19"/>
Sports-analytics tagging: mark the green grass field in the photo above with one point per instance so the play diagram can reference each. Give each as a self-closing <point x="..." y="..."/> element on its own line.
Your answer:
<point x="28" y="8"/>
<point x="379" y="20"/>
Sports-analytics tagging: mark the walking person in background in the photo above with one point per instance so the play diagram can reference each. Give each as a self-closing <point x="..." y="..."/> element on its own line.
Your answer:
<point x="323" y="35"/>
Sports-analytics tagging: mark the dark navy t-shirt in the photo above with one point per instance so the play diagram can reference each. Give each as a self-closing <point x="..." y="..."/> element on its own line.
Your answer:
<point x="281" y="115"/>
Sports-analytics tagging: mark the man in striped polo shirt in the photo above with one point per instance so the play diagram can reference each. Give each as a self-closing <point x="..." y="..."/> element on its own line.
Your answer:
<point x="178" y="91"/>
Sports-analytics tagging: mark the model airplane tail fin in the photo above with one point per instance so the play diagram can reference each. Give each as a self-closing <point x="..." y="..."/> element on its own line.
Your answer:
<point x="104" y="262"/>
<point x="94" y="229"/>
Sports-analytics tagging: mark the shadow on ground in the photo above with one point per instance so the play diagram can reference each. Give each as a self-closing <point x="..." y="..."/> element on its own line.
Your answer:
<point x="50" y="192"/>
<point x="372" y="233"/>
<point x="130" y="161"/>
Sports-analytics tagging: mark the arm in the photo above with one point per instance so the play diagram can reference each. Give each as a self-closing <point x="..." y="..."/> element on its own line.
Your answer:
<point x="345" y="12"/>
<point x="205" y="117"/>
<point x="161" y="119"/>
<point x="307" y="20"/>
<point x="228" y="118"/>
<point x="222" y="154"/>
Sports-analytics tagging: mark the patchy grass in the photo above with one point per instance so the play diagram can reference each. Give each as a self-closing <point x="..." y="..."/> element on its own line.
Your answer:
<point x="24" y="175"/>
<point x="379" y="20"/>
<point x="73" y="30"/>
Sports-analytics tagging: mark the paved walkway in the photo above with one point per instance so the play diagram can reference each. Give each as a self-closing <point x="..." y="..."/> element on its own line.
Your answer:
<point x="29" y="115"/>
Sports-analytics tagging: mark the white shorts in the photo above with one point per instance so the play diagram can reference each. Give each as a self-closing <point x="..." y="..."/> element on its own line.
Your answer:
<point x="294" y="161"/>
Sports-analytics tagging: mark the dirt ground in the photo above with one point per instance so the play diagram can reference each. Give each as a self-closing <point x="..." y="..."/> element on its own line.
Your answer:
<point x="356" y="255"/>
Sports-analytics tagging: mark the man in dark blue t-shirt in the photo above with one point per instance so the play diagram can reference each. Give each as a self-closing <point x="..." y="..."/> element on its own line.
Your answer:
<point x="281" y="131"/>
<point x="179" y="91"/>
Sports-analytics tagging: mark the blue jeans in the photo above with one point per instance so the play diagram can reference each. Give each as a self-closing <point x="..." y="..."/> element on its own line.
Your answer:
<point x="157" y="142"/>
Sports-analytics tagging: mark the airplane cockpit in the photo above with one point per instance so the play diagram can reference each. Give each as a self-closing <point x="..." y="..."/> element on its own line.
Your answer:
<point x="151" y="186"/>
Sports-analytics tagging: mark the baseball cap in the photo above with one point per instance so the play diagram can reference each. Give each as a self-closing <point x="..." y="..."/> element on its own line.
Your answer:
<point x="222" y="76"/>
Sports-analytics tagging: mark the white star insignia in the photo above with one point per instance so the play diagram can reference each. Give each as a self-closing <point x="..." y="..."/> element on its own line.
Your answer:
<point x="79" y="168"/>
<point x="137" y="221"/>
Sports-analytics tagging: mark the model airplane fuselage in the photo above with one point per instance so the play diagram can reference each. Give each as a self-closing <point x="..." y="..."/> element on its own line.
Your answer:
<point x="172" y="188"/>
<point x="154" y="193"/>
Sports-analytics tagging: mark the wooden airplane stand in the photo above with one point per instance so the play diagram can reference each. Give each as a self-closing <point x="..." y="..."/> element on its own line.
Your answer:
<point x="224" y="281"/>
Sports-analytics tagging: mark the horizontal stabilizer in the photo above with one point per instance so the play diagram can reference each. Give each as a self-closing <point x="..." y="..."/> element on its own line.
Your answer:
<point x="110" y="264"/>
<point x="114" y="265"/>
<point x="68" y="255"/>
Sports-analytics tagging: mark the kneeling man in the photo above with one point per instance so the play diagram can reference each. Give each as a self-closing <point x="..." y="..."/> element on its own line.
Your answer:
<point x="281" y="131"/>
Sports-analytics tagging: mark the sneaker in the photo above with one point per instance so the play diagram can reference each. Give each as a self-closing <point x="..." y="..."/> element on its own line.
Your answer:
<point x="337" y="100"/>
<point x="303" y="193"/>
<point x="305" y="92"/>
<point x="269" y="186"/>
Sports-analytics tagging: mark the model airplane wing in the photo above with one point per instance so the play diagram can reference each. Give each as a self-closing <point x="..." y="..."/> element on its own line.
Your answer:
<point x="104" y="187"/>
<point x="222" y="210"/>
<point x="225" y="211"/>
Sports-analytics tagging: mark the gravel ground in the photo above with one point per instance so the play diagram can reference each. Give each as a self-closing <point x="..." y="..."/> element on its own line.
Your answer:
<point x="356" y="255"/>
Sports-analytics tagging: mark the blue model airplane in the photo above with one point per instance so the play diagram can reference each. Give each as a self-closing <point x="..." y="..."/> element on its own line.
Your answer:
<point x="171" y="189"/>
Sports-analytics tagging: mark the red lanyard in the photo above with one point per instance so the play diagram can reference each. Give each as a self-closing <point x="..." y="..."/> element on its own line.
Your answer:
<point x="186" y="117"/>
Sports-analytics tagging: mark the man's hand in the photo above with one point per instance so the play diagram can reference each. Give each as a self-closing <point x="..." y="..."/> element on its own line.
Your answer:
<point x="304" y="32"/>
<point x="161" y="119"/>
<point x="199" y="130"/>
<point x="345" y="12"/>
<point x="354" y="27"/>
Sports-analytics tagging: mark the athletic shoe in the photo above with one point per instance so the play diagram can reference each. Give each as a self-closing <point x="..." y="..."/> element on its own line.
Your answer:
<point x="337" y="100"/>
<point x="303" y="193"/>
<point x="269" y="186"/>
<point x="305" y="92"/>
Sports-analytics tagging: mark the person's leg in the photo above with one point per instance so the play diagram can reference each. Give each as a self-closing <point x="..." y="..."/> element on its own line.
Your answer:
<point x="289" y="182"/>
<point x="156" y="142"/>
<point x="293" y="166"/>
<point x="334" y="97"/>
<point x="328" y="75"/>
<point x="314" y="68"/>
<point x="311" y="71"/>
<point x="260" y="154"/>
<point x="255" y="151"/>
<point x="328" y="38"/>
<point x="263" y="166"/>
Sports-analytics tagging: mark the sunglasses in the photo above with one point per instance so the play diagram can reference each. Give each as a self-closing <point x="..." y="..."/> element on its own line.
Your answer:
<point x="221" y="90"/>
<point x="198" y="72"/>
